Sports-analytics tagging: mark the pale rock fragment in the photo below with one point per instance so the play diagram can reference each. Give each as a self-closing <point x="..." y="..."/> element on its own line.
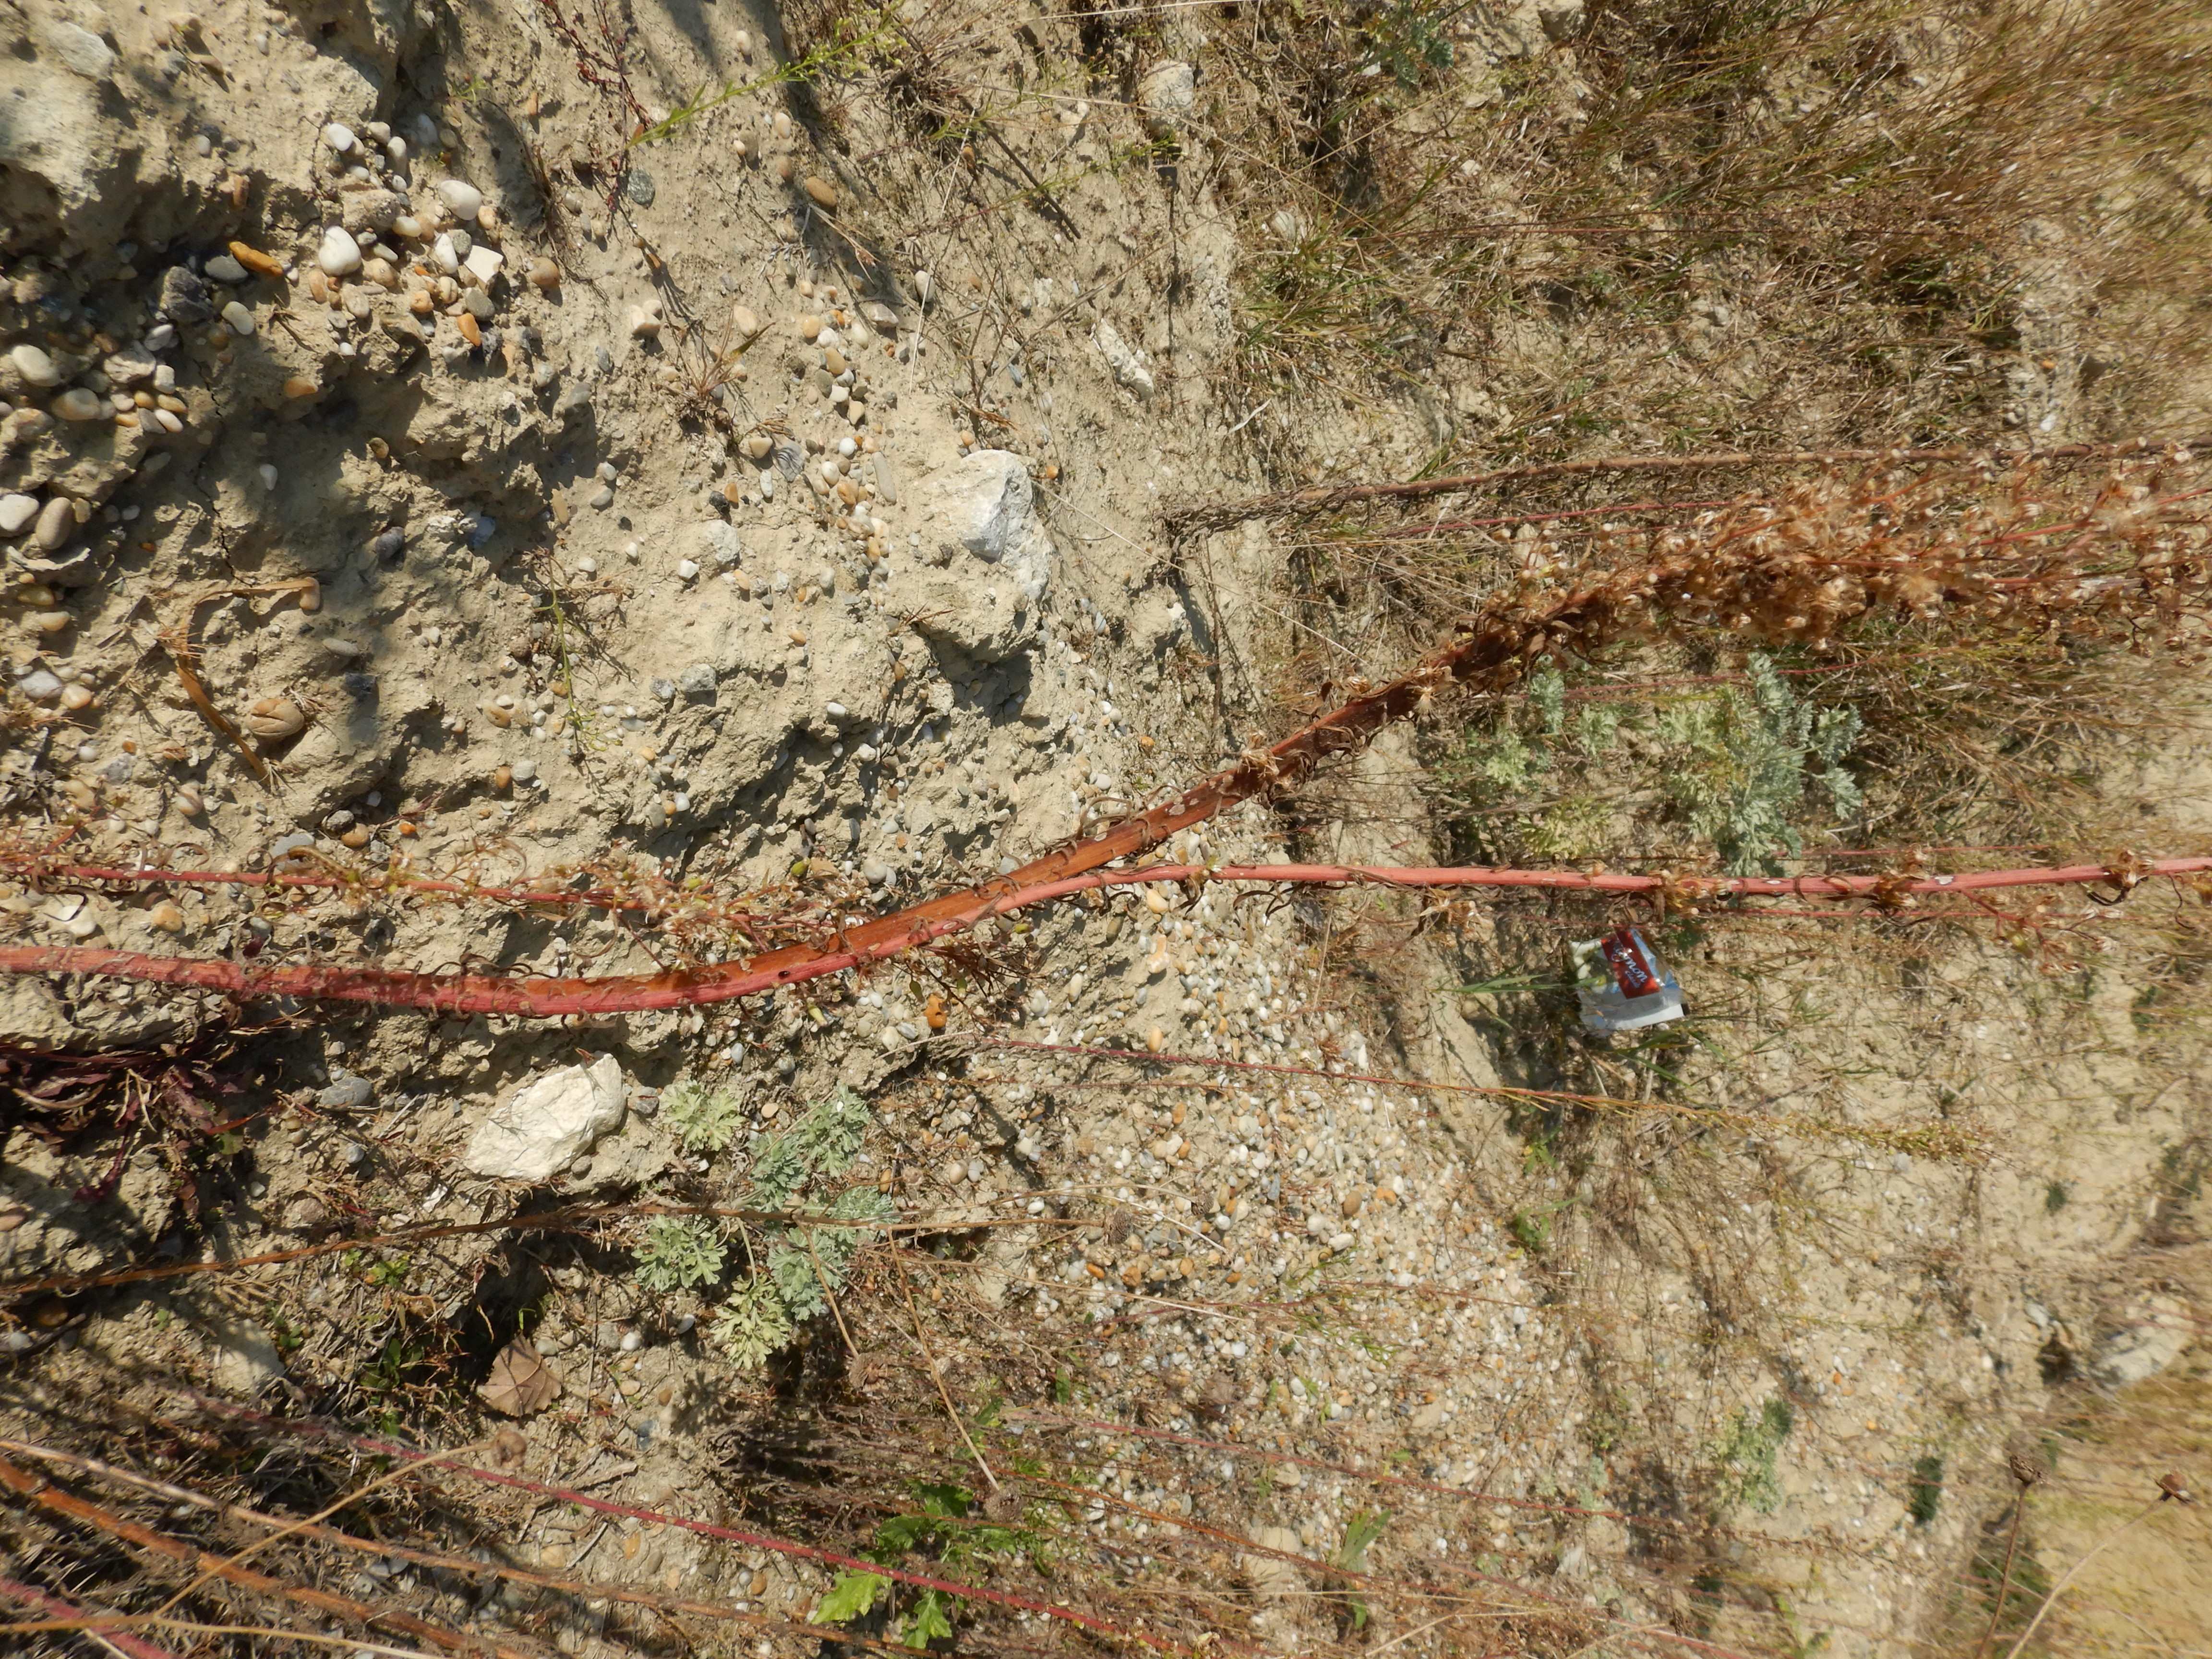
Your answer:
<point x="549" y="1122"/>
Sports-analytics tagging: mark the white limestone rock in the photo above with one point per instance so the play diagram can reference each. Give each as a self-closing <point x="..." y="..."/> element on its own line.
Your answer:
<point x="549" y="1122"/>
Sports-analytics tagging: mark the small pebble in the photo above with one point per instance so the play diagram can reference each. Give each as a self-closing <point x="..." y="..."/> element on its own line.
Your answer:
<point x="78" y="404"/>
<point x="16" y="510"/>
<point x="461" y="197"/>
<point x="39" y="685"/>
<point x="275" y="718"/>
<point x="34" y="365"/>
<point x="166" y="915"/>
<point x="822" y="191"/>
<point x="240" y="320"/>
<point x="339" y="255"/>
<point x="545" y="274"/>
<point x="57" y="523"/>
<point x="224" y="268"/>
<point x="339" y="138"/>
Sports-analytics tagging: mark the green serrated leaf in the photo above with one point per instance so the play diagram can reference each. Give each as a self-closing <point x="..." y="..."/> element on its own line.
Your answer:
<point x="927" y="1621"/>
<point x="853" y="1594"/>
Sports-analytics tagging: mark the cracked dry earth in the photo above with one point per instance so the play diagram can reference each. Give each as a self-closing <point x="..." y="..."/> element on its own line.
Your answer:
<point x="395" y="469"/>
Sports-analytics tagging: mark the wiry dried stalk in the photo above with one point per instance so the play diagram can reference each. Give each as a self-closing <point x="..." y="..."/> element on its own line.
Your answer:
<point x="684" y="1607"/>
<point x="85" y="1619"/>
<point x="2135" y="560"/>
<point x="1329" y="498"/>
<point x="70" y="1507"/>
<point x="548" y="998"/>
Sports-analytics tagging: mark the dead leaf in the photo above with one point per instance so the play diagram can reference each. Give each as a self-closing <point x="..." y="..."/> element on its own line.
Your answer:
<point x="521" y="1382"/>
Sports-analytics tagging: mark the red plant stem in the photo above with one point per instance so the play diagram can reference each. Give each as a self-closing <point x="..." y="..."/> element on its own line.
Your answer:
<point x="704" y="1528"/>
<point x="540" y="998"/>
<point x="49" y="1496"/>
<point x="53" y="1607"/>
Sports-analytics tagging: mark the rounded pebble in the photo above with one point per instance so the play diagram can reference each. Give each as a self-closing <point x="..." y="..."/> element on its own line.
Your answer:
<point x="339" y="136"/>
<point x="16" y="510"/>
<point x="463" y="197"/>
<point x="40" y="685"/>
<point x="34" y="365"/>
<point x="543" y="273"/>
<point x="57" y="523"/>
<point x="240" y="320"/>
<point x="822" y="191"/>
<point x="275" y="718"/>
<point x="339" y="254"/>
<point x="79" y="404"/>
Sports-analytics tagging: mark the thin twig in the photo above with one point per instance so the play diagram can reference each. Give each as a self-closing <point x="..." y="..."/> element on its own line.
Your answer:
<point x="1329" y="498"/>
<point x="937" y="1376"/>
<point x="2051" y="1600"/>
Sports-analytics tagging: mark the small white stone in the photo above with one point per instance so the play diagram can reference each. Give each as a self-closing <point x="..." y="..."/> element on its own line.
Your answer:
<point x="339" y="138"/>
<point x="34" y="366"/>
<point x="82" y="51"/>
<point x="16" y="510"/>
<point x="78" y="404"/>
<point x="484" y="263"/>
<point x="442" y="254"/>
<point x="687" y="570"/>
<point x="396" y="150"/>
<point x="837" y="711"/>
<point x="267" y="476"/>
<point x="549" y="1122"/>
<point x="462" y="197"/>
<point x="339" y="254"/>
<point x="241" y="324"/>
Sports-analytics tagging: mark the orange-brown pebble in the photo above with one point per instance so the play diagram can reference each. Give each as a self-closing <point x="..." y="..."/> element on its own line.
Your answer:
<point x="260" y="263"/>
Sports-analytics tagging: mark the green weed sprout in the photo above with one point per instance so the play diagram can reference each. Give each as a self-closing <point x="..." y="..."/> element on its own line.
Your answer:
<point x="751" y="1325"/>
<point x="679" y="1253"/>
<point x="704" y="1118"/>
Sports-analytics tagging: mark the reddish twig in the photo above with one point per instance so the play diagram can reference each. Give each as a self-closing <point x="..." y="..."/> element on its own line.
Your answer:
<point x="66" y="1504"/>
<point x="90" y="1621"/>
<point x="1040" y="882"/>
<point x="784" y="1547"/>
<point x="467" y="1566"/>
